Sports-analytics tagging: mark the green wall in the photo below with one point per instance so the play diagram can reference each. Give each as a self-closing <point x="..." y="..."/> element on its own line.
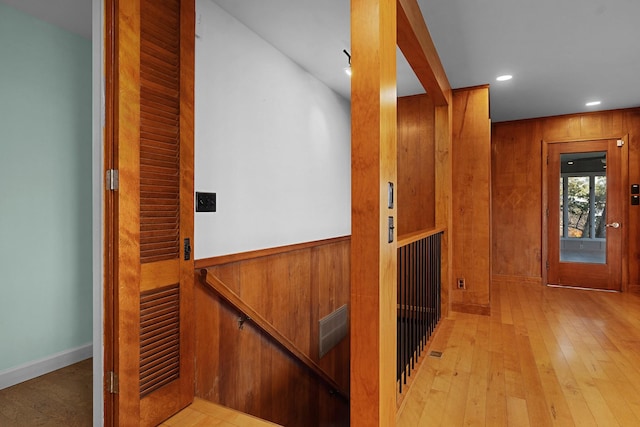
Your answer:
<point x="45" y="189"/>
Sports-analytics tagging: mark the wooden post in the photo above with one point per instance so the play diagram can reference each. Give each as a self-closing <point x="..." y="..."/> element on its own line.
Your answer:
<point x="443" y="165"/>
<point x="373" y="259"/>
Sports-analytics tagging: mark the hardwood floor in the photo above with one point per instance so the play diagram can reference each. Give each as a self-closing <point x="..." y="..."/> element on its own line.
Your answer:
<point x="545" y="356"/>
<point x="202" y="413"/>
<point x="59" y="398"/>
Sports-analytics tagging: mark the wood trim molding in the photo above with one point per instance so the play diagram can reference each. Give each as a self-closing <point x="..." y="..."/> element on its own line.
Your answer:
<point x="409" y="238"/>
<point x="243" y="256"/>
<point x="599" y="138"/>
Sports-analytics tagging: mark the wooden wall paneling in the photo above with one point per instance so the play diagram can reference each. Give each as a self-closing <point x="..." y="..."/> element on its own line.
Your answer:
<point x="243" y="369"/>
<point x="443" y="208"/>
<point x="415" y="194"/>
<point x="471" y="198"/>
<point x="632" y="124"/>
<point x="574" y="127"/>
<point x="208" y="361"/>
<point x="560" y="128"/>
<point x="516" y="200"/>
<point x="586" y="126"/>
<point x="373" y="259"/>
<point x="602" y="125"/>
<point x="331" y="276"/>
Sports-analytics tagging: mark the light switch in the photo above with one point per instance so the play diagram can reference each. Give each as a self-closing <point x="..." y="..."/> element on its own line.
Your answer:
<point x="205" y="202"/>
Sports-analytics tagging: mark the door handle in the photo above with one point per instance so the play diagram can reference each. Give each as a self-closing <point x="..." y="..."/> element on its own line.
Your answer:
<point x="613" y="225"/>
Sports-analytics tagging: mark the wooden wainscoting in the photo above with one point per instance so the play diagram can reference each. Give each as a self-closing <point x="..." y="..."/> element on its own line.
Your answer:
<point x="241" y="368"/>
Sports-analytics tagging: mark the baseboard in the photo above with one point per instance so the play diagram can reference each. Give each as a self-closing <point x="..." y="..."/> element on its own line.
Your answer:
<point x="30" y="370"/>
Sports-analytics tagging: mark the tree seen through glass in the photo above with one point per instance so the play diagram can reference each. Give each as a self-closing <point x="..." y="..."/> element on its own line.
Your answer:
<point x="582" y="220"/>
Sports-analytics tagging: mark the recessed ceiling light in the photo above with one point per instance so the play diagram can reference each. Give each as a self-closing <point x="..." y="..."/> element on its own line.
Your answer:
<point x="593" y="103"/>
<point x="504" y="77"/>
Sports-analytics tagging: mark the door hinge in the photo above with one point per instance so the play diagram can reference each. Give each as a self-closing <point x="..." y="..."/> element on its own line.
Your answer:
<point x="112" y="179"/>
<point x="547" y="265"/>
<point x="547" y="159"/>
<point x="112" y="382"/>
<point x="547" y="212"/>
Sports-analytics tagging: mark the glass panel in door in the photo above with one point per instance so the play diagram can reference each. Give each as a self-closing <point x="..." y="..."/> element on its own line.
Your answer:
<point x="583" y="197"/>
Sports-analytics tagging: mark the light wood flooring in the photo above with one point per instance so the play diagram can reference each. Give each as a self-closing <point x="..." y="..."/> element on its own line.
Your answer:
<point x="59" y="398"/>
<point x="202" y="413"/>
<point x="544" y="357"/>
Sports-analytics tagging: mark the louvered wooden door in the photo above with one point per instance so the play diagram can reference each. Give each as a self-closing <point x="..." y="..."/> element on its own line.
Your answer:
<point x="153" y="151"/>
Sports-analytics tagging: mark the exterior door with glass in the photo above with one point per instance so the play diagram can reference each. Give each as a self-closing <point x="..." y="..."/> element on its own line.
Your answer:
<point x="584" y="182"/>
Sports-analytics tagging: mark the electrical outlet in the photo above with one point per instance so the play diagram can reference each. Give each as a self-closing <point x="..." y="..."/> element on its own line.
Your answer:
<point x="462" y="284"/>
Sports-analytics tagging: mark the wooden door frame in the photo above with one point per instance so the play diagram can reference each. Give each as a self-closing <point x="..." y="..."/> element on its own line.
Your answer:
<point x="624" y="160"/>
<point x="109" y="263"/>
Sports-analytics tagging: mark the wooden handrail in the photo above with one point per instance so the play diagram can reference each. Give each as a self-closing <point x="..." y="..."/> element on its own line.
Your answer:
<point x="243" y="256"/>
<point x="212" y="282"/>
<point x="407" y="239"/>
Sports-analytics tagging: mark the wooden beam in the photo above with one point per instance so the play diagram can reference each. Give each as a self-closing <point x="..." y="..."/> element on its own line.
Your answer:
<point x="417" y="46"/>
<point x="373" y="259"/>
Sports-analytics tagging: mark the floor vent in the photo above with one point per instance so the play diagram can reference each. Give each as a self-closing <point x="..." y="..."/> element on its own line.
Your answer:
<point x="436" y="354"/>
<point x="333" y="328"/>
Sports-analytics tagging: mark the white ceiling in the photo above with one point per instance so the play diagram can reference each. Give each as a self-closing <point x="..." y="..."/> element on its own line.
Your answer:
<point x="72" y="15"/>
<point x="562" y="53"/>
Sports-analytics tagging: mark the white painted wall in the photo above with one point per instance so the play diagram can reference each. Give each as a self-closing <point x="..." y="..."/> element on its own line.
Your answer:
<point x="271" y="140"/>
<point x="45" y="199"/>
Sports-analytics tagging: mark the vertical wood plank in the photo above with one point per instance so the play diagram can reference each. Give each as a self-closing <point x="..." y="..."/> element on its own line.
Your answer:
<point x="443" y="182"/>
<point x="416" y="164"/>
<point x="632" y="124"/>
<point x="471" y="204"/>
<point x="373" y="261"/>
<point x="516" y="199"/>
<point x="128" y="206"/>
